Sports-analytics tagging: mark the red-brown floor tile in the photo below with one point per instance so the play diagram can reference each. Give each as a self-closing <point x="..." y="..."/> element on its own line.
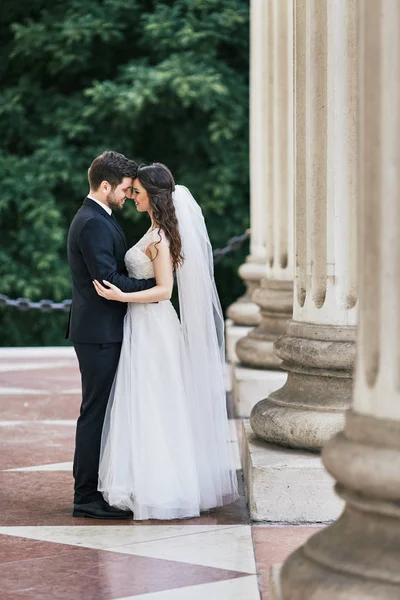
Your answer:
<point x="13" y="548"/>
<point x="36" y="498"/>
<point x="22" y="574"/>
<point x="55" y="380"/>
<point x="45" y="498"/>
<point x="39" y="407"/>
<point x="61" y="406"/>
<point x="100" y="575"/>
<point x="31" y="444"/>
<point x="22" y="407"/>
<point x="273" y="545"/>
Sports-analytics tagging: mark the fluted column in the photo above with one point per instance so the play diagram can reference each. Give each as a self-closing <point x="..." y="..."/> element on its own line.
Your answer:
<point x="318" y="349"/>
<point x="244" y="311"/>
<point x="358" y="557"/>
<point x="275" y="295"/>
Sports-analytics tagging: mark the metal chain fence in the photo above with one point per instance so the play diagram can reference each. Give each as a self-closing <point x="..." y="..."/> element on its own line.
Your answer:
<point x="232" y="245"/>
<point x="49" y="306"/>
<point x="42" y="305"/>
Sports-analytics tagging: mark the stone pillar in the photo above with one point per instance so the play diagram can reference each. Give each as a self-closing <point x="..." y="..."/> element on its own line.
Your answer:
<point x="244" y="314"/>
<point x="275" y="296"/>
<point x="258" y="373"/>
<point x="318" y="348"/>
<point x="358" y="557"/>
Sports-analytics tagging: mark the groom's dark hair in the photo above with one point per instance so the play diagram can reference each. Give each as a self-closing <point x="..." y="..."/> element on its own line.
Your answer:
<point x="112" y="167"/>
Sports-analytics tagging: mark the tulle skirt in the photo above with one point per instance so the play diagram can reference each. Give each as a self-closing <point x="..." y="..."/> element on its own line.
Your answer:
<point x="160" y="457"/>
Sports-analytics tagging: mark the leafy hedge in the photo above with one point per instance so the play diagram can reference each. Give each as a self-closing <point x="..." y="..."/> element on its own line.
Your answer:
<point x="155" y="80"/>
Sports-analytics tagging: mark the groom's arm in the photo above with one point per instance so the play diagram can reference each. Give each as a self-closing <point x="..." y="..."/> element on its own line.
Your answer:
<point x="96" y="246"/>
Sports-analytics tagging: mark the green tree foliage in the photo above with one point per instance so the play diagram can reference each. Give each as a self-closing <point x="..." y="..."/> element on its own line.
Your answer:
<point x="155" y="80"/>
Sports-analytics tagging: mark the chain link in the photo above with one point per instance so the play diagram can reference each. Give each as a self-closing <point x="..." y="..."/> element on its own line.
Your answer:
<point x="233" y="244"/>
<point x="42" y="305"/>
<point x="49" y="306"/>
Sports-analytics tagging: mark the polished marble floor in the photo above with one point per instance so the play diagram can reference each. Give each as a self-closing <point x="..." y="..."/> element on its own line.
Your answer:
<point x="45" y="554"/>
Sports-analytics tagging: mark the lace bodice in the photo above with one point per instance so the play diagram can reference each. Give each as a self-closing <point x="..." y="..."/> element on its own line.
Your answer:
<point x="137" y="263"/>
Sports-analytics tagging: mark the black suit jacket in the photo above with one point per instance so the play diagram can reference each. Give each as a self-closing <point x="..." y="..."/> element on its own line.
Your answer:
<point x="96" y="250"/>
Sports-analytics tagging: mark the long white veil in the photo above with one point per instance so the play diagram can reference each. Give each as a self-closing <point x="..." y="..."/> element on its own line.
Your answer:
<point x="203" y="329"/>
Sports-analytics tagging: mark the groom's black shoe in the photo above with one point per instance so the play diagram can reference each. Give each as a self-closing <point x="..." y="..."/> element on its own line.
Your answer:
<point x="100" y="510"/>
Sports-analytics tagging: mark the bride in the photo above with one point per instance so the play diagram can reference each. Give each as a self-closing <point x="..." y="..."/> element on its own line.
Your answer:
<point x="165" y="450"/>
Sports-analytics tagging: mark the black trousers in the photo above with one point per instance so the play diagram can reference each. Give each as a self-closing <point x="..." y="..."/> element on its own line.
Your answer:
<point x="98" y="364"/>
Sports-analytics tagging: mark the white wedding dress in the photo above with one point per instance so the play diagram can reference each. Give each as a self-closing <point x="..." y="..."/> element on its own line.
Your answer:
<point x="165" y="453"/>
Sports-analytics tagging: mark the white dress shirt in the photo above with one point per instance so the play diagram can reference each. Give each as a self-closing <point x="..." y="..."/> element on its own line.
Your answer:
<point x="106" y="208"/>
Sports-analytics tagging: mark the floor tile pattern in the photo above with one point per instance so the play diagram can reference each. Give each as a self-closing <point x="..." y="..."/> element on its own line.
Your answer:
<point x="46" y="554"/>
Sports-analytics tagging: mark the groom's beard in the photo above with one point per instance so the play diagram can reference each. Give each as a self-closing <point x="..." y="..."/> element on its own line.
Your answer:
<point x="113" y="203"/>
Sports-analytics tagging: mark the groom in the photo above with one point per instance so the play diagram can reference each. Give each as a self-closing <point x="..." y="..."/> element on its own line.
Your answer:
<point x="96" y="250"/>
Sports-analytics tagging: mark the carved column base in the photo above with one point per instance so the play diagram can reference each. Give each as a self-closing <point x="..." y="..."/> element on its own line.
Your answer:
<point x="244" y="312"/>
<point x="275" y="299"/>
<point x="309" y="409"/>
<point x="358" y="557"/>
<point x="233" y="333"/>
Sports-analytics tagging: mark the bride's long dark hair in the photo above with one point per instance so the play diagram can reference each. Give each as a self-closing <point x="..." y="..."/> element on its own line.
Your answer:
<point x="159" y="184"/>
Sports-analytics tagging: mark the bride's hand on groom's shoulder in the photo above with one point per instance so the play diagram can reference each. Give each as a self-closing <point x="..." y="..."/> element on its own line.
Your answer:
<point x="109" y="291"/>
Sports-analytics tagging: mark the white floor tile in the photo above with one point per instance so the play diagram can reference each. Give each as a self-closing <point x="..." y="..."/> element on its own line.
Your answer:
<point x="6" y="367"/>
<point x="66" y="422"/>
<point x="65" y="466"/>
<point x="224" y="548"/>
<point x="245" y="588"/>
<point x="110" y="537"/>
<point x="36" y="352"/>
<point x="15" y="391"/>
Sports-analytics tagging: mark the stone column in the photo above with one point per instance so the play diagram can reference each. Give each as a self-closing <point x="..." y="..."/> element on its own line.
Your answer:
<point x="275" y="296"/>
<point x="244" y="314"/>
<point x="258" y="373"/>
<point x="318" y="348"/>
<point x="358" y="556"/>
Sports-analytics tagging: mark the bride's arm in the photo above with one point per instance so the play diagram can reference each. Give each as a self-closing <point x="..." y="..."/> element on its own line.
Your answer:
<point x="160" y="255"/>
